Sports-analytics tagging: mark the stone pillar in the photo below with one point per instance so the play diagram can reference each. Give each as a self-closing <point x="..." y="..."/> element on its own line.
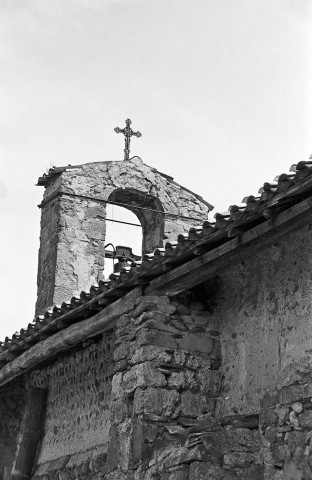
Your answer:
<point x="167" y="361"/>
<point x="71" y="255"/>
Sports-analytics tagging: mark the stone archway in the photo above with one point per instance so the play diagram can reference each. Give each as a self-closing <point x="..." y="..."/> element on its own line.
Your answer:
<point x="148" y="210"/>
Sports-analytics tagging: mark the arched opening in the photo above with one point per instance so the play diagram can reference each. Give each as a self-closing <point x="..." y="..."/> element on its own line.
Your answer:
<point x="121" y="234"/>
<point x="148" y="210"/>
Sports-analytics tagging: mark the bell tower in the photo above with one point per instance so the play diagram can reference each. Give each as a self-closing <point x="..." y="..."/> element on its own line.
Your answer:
<point x="73" y="213"/>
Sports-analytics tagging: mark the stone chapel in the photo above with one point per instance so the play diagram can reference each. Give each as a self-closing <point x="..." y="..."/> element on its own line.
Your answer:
<point x="191" y="362"/>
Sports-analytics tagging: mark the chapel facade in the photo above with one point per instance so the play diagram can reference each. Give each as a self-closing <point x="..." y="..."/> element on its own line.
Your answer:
<point x="192" y="362"/>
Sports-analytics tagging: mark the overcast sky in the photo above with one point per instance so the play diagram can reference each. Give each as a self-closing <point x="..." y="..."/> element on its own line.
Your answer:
<point x="220" y="89"/>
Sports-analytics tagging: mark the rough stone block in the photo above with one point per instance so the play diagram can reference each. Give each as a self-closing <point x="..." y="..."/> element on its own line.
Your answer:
<point x="178" y="473"/>
<point x="210" y="381"/>
<point x="141" y="308"/>
<point x="141" y="443"/>
<point x="182" y="455"/>
<point x="240" y="459"/>
<point x="156" y="315"/>
<point x="148" y="353"/>
<point x="193" y="404"/>
<point x="206" y="471"/>
<point x="121" y="352"/>
<point x="161" y="339"/>
<point x="143" y="375"/>
<point x="242" y="439"/>
<point x="177" y="380"/>
<point x="178" y="324"/>
<point x="280" y="454"/>
<point x="123" y="322"/>
<point x="294" y="393"/>
<point x="119" y="446"/>
<point x="158" y="401"/>
<point x="182" y="308"/>
<point x="118" y="410"/>
<point x="268" y="417"/>
<point x="159" y="325"/>
<point x="121" y="366"/>
<point x="117" y="386"/>
<point x="306" y="419"/>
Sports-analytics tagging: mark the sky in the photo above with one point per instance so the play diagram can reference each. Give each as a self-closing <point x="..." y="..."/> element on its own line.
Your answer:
<point x="219" y="89"/>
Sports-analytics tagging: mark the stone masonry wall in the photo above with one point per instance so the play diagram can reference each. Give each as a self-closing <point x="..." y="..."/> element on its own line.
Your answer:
<point x="263" y="309"/>
<point x="163" y="409"/>
<point x="77" y="415"/>
<point x="71" y="255"/>
<point x="286" y="425"/>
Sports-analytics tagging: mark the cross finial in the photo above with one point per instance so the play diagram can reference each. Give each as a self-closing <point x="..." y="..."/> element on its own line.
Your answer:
<point x="128" y="132"/>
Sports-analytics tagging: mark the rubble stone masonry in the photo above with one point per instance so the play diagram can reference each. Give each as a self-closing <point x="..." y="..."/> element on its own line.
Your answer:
<point x="155" y="415"/>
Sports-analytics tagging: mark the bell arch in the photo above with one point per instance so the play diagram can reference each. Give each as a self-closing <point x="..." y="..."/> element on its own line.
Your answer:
<point x="149" y="211"/>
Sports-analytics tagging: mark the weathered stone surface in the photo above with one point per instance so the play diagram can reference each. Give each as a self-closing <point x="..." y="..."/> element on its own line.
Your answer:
<point x="240" y="459"/>
<point x="182" y="308"/>
<point x="179" y="380"/>
<point x="156" y="316"/>
<point x="161" y="339"/>
<point x="210" y="381"/>
<point x="79" y="389"/>
<point x="143" y="375"/>
<point x="161" y="326"/>
<point x="306" y="419"/>
<point x="158" y="401"/>
<point x="206" y="471"/>
<point x="119" y="447"/>
<point x="117" y="387"/>
<point x="291" y="393"/>
<point x="148" y="353"/>
<point x="196" y="343"/>
<point x="193" y="404"/>
<point x="182" y="455"/>
<point x="262" y="310"/>
<point x="71" y="256"/>
<point x="143" y="436"/>
<point x="180" y="473"/>
<point x="122" y="351"/>
<point x="268" y="417"/>
<point x="118" y="410"/>
<point x="152" y="302"/>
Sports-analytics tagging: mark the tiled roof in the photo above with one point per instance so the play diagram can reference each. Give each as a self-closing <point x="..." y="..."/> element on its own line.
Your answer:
<point x="285" y="191"/>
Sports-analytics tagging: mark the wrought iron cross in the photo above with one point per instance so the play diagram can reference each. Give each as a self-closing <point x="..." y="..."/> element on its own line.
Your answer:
<point x="128" y="132"/>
